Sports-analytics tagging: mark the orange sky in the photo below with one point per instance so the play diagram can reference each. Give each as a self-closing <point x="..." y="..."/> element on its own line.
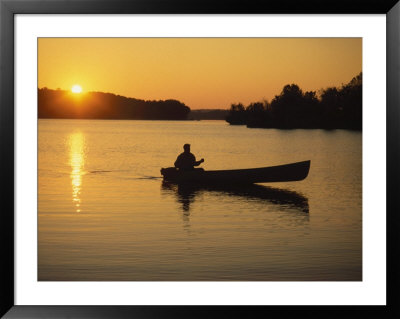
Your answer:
<point x="200" y="72"/>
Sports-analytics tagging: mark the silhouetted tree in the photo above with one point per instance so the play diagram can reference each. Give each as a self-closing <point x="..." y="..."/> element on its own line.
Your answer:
<point x="256" y="114"/>
<point x="342" y="108"/>
<point x="286" y="107"/>
<point x="237" y="115"/>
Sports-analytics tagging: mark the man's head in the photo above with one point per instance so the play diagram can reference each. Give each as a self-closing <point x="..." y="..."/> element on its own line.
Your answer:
<point x="186" y="147"/>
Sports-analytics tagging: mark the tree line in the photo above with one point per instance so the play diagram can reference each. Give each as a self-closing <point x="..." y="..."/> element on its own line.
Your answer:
<point x="333" y="108"/>
<point x="99" y="105"/>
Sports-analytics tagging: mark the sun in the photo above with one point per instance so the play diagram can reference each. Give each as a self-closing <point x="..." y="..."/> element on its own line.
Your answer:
<point x="76" y="88"/>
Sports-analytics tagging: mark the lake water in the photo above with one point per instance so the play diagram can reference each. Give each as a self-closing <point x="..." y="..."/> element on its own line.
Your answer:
<point x="105" y="214"/>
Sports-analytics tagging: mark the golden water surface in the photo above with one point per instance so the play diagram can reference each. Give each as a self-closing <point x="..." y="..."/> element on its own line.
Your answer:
<point x="105" y="214"/>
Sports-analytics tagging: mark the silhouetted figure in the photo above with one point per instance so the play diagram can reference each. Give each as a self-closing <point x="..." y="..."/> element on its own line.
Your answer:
<point x="187" y="161"/>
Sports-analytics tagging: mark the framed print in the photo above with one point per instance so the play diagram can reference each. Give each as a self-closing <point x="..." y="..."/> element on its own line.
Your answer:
<point x="287" y="206"/>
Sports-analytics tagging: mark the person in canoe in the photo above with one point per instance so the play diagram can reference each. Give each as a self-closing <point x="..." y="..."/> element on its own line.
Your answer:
<point x="186" y="161"/>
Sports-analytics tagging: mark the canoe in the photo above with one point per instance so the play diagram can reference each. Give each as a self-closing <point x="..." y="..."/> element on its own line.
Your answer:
<point x="281" y="173"/>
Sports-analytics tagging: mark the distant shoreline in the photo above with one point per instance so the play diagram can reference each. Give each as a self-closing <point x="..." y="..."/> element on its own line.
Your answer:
<point x="103" y="119"/>
<point x="100" y="105"/>
<point x="333" y="108"/>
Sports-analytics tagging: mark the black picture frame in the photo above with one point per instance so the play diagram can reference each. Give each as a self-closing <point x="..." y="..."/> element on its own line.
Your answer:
<point x="9" y="8"/>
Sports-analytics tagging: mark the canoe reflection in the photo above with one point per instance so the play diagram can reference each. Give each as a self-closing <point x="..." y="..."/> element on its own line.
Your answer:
<point x="186" y="194"/>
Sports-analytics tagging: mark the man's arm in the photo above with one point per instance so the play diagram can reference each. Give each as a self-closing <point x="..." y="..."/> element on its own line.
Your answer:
<point x="197" y="163"/>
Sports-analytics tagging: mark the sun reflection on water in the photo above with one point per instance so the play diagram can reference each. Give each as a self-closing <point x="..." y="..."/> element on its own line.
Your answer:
<point x="77" y="161"/>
